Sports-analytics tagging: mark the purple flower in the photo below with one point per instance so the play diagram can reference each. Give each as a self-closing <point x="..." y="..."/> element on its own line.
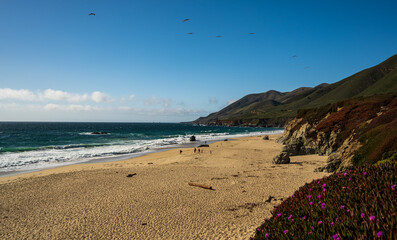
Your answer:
<point x="348" y="187"/>
<point x="279" y="214"/>
<point x="372" y="218"/>
<point x="312" y="227"/>
<point x="324" y="185"/>
<point x="266" y="235"/>
<point x="309" y="232"/>
<point x="310" y="189"/>
<point x="342" y="206"/>
<point x="275" y="209"/>
<point x="310" y="203"/>
<point x="319" y="196"/>
<point x="290" y="216"/>
<point x="285" y="232"/>
<point x="379" y="234"/>
<point x="365" y="173"/>
<point x="350" y="179"/>
<point x="323" y="204"/>
<point x="258" y="229"/>
<point x="292" y="195"/>
<point x="336" y="219"/>
<point x="362" y="215"/>
<point x="344" y="174"/>
<point x="323" y="208"/>
<point x="335" y="236"/>
<point x="332" y="223"/>
<point x="324" y="189"/>
<point x="347" y="210"/>
<point x="319" y="222"/>
<point x="318" y="182"/>
<point x="304" y="217"/>
<point x="310" y="196"/>
<point x="393" y="187"/>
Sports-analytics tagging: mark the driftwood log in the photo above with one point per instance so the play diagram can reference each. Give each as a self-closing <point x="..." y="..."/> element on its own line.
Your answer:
<point x="200" y="185"/>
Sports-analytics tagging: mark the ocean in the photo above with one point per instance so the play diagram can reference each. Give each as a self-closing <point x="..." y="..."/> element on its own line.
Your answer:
<point x="27" y="146"/>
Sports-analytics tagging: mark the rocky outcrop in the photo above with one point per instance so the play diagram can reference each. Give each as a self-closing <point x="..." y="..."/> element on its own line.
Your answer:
<point x="282" y="158"/>
<point x="344" y="132"/>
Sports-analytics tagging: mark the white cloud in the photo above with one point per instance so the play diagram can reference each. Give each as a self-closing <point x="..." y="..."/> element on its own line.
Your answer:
<point x="100" y="97"/>
<point x="22" y="94"/>
<point x="64" y="96"/>
<point x="231" y="101"/>
<point x="131" y="97"/>
<point x="71" y="107"/>
<point x="213" y="100"/>
<point x="158" y="101"/>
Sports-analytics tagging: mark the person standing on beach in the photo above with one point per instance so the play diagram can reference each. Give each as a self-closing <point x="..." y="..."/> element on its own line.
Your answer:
<point x="195" y="150"/>
<point x="180" y="151"/>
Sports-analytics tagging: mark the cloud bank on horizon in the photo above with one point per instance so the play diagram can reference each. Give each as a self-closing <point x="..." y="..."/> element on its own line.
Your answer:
<point x="46" y="105"/>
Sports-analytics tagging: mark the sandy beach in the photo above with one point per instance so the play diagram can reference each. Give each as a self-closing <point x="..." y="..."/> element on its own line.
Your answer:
<point x="99" y="201"/>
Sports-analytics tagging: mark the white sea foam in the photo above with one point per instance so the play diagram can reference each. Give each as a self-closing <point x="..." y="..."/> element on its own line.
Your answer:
<point x="46" y="158"/>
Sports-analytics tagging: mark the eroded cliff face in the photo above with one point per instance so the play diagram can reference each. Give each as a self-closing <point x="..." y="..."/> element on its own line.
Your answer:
<point x="344" y="132"/>
<point x="301" y="137"/>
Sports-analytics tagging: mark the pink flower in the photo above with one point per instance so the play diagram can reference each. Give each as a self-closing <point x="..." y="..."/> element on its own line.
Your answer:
<point x="362" y="215"/>
<point x="344" y="174"/>
<point x="342" y="206"/>
<point x="285" y="232"/>
<point x="323" y="204"/>
<point x="379" y="234"/>
<point x="320" y="222"/>
<point x="275" y="209"/>
<point x="372" y="218"/>
<point x="322" y="207"/>
<point x="292" y="195"/>
<point x="319" y="196"/>
<point x="347" y="210"/>
<point x="304" y="217"/>
<point x="310" y="203"/>
<point x="324" y="189"/>
<point x="335" y="236"/>
<point x="310" y="196"/>
<point x="309" y="232"/>
<point x="324" y="185"/>
<point x="266" y="235"/>
<point x="336" y="219"/>
<point x="393" y="187"/>
<point x="290" y="216"/>
<point x="258" y="229"/>
<point x="279" y="214"/>
<point x="350" y="179"/>
<point x="312" y="227"/>
<point x="310" y="189"/>
<point x="332" y="223"/>
<point x="365" y="173"/>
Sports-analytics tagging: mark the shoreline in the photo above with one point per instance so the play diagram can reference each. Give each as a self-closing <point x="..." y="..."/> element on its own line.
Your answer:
<point x="115" y="158"/>
<point x="156" y="202"/>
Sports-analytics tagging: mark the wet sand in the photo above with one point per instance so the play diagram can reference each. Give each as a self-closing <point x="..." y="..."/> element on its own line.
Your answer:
<point x="99" y="201"/>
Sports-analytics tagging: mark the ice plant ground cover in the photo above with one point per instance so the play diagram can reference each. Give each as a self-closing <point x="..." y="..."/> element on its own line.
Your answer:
<point x="360" y="203"/>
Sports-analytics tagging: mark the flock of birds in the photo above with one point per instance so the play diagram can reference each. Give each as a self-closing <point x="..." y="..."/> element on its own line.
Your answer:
<point x="218" y="36"/>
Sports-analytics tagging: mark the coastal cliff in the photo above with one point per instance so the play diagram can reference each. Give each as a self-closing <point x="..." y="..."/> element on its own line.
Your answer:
<point x="351" y="132"/>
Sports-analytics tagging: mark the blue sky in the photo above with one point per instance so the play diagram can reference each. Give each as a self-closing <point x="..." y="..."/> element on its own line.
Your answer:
<point x="134" y="61"/>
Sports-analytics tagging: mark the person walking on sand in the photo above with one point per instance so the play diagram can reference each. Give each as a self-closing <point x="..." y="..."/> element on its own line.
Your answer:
<point x="180" y="151"/>
<point x="199" y="150"/>
<point x="195" y="150"/>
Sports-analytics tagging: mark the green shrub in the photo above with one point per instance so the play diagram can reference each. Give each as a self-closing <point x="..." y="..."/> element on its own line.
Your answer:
<point x="360" y="203"/>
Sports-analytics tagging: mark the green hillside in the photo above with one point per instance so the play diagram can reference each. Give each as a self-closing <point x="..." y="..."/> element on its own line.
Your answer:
<point x="274" y="108"/>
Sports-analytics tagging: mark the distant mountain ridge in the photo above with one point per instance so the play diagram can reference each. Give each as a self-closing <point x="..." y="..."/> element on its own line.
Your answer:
<point x="275" y="108"/>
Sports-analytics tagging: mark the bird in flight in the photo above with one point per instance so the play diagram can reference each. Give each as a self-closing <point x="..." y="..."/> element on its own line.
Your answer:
<point x="187" y="19"/>
<point x="294" y="56"/>
<point x="190" y="33"/>
<point x="91" y="14"/>
<point x="218" y="36"/>
<point x="252" y="33"/>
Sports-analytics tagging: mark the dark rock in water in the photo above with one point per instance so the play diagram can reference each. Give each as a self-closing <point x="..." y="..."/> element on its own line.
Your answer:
<point x="282" y="158"/>
<point x="192" y="138"/>
<point x="131" y="174"/>
<point x="204" y="145"/>
<point x="99" y="133"/>
<point x="266" y="137"/>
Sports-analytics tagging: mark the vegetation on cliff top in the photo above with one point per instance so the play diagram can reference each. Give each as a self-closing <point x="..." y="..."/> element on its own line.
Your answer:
<point x="360" y="203"/>
<point x="371" y="120"/>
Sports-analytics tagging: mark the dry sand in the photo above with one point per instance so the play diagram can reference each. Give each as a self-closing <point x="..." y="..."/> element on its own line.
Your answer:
<point x="98" y="201"/>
